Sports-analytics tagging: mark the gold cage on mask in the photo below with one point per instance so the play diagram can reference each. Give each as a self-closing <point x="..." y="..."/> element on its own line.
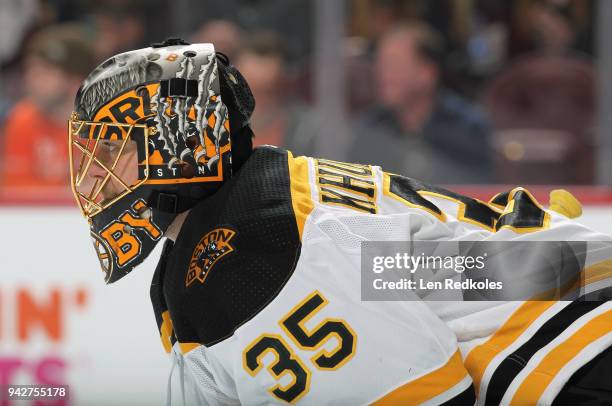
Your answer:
<point x="104" y="164"/>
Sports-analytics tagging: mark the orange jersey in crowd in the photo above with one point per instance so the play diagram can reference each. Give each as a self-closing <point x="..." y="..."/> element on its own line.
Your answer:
<point x="35" y="152"/>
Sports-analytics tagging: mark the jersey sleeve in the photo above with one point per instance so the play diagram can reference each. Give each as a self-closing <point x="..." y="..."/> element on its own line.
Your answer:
<point x="516" y="352"/>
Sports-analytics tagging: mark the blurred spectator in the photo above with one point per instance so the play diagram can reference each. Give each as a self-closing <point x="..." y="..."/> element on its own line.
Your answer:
<point x="226" y="36"/>
<point x="417" y="128"/>
<point x="278" y="118"/>
<point x="543" y="104"/>
<point x="35" y="147"/>
<point x="16" y="17"/>
<point x="119" y="25"/>
<point x="358" y="70"/>
<point x="552" y="31"/>
<point x="486" y="41"/>
<point x="18" y="20"/>
<point x="372" y="18"/>
<point x="290" y="19"/>
<point x="543" y="108"/>
<point x="552" y="26"/>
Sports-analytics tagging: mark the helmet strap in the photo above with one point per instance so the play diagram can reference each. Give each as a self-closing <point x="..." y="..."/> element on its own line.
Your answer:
<point x="166" y="202"/>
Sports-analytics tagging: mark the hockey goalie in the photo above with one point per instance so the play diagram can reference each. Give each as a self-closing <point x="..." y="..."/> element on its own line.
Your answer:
<point x="258" y="291"/>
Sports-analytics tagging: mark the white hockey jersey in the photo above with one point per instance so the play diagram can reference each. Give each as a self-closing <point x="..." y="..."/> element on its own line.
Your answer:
<point x="259" y="299"/>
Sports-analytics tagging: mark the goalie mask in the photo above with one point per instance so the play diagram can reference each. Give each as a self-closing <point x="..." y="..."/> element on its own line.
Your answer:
<point x="149" y="138"/>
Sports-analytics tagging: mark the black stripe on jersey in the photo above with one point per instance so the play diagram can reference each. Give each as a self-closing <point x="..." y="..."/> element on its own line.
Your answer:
<point x="514" y="363"/>
<point x="465" y="398"/>
<point x="156" y="290"/>
<point x="600" y="295"/>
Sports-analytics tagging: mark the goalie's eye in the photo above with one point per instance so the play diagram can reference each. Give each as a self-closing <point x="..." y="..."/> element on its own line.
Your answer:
<point x="110" y="146"/>
<point x="113" y="147"/>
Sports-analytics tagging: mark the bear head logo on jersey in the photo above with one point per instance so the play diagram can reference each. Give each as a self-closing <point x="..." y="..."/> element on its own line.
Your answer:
<point x="149" y="138"/>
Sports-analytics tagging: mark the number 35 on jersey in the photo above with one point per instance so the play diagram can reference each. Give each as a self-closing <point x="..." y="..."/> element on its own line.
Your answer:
<point x="284" y="361"/>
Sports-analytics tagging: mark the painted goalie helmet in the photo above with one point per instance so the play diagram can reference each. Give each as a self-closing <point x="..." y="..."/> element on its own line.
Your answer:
<point x="149" y="138"/>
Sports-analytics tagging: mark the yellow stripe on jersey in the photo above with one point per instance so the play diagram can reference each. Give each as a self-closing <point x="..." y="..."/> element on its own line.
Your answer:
<point x="186" y="347"/>
<point x="428" y="386"/>
<point x="580" y="283"/>
<point x="597" y="272"/>
<point x="166" y="331"/>
<point x="301" y="198"/>
<point x="479" y="358"/>
<point x="592" y="274"/>
<point x="534" y="385"/>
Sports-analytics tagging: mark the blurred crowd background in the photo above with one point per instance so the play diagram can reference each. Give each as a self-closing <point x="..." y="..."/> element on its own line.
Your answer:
<point x="444" y="91"/>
